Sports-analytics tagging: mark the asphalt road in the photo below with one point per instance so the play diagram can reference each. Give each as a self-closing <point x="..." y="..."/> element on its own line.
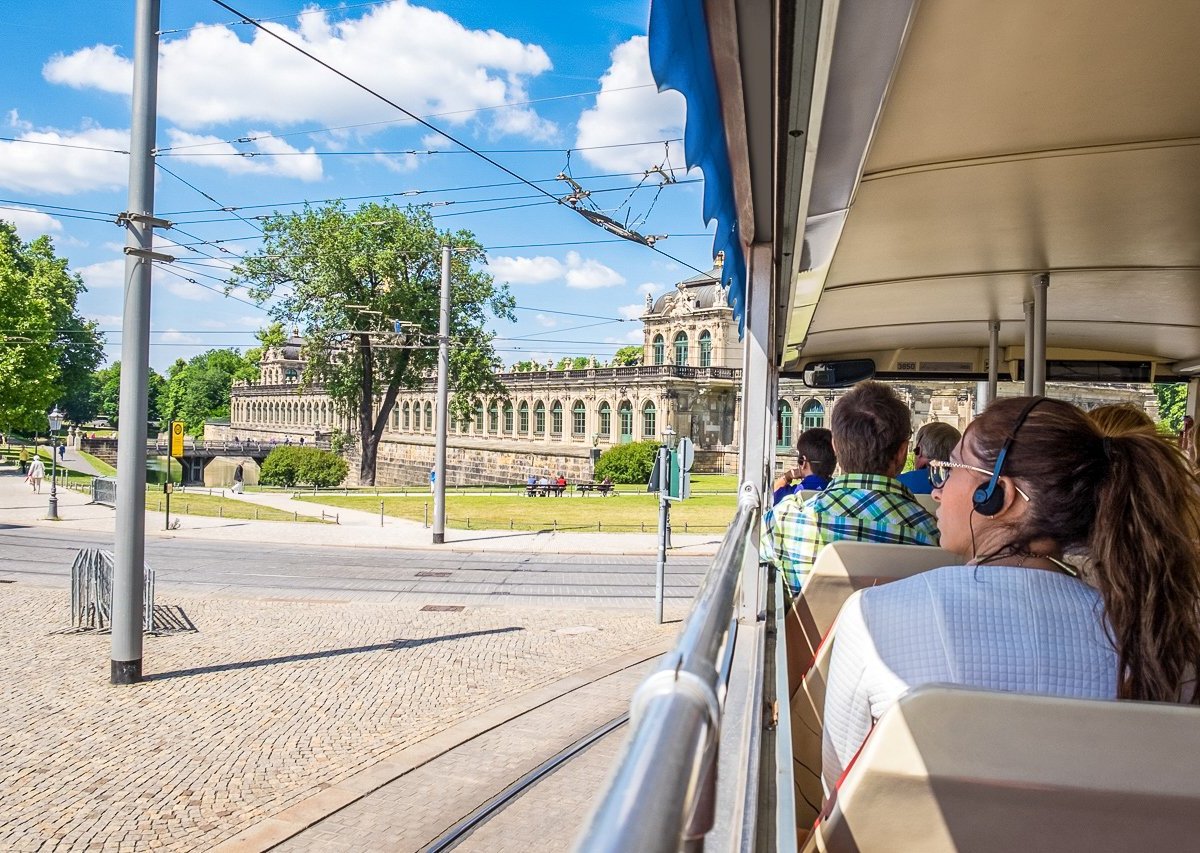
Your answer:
<point x="37" y="555"/>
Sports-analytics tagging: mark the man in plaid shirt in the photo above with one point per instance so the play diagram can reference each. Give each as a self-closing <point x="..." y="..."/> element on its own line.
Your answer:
<point x="871" y="428"/>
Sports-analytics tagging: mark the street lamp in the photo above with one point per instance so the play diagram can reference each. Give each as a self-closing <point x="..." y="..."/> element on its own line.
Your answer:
<point x="56" y="419"/>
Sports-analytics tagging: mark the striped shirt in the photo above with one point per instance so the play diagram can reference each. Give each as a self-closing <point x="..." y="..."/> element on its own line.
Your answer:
<point x="862" y="507"/>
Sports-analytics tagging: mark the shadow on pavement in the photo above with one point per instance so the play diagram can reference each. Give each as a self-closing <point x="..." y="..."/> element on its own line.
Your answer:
<point x="394" y="645"/>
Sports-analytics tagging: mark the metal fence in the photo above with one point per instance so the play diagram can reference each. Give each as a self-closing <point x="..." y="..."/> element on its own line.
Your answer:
<point x="661" y="796"/>
<point x="104" y="491"/>
<point x="91" y="592"/>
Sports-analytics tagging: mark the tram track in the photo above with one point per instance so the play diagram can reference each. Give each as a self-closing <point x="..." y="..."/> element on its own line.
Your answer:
<point x="458" y="833"/>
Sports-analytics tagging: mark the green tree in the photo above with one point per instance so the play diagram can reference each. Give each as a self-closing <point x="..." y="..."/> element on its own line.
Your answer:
<point x="271" y="336"/>
<point x="198" y="390"/>
<point x="628" y="463"/>
<point x="345" y="278"/>
<point x="106" y="391"/>
<point x="287" y="466"/>
<point x="628" y="356"/>
<point x="47" y="349"/>
<point x="1172" y="405"/>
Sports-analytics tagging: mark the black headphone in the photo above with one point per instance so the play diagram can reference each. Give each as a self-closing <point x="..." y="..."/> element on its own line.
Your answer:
<point x="989" y="499"/>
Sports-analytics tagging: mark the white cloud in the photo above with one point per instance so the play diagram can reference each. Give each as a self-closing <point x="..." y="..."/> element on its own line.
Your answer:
<point x="632" y="312"/>
<point x="630" y="115"/>
<point x="650" y="288"/>
<point x="547" y="322"/>
<point x="107" y="319"/>
<point x="589" y="274"/>
<point x="520" y="270"/>
<point x="578" y="272"/>
<point x="214" y="153"/>
<point x="633" y="336"/>
<point x="185" y="289"/>
<point x="31" y="223"/>
<point x="415" y="56"/>
<point x="104" y="274"/>
<point x="50" y="168"/>
<point x="174" y="336"/>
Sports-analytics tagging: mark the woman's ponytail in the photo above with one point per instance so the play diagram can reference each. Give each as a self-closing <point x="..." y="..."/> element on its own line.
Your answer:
<point x="1145" y="550"/>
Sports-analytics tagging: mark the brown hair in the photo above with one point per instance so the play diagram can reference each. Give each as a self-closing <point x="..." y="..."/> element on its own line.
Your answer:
<point x="1134" y="504"/>
<point x="1121" y="418"/>
<point x="816" y="447"/>
<point x="869" y="425"/>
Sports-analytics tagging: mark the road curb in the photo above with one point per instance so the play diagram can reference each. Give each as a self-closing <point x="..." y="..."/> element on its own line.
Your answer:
<point x="278" y="828"/>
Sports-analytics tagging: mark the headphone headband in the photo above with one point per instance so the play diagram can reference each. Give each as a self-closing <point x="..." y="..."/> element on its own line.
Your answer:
<point x="990" y="498"/>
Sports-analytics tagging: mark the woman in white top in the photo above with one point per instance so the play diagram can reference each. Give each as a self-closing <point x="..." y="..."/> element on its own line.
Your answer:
<point x="1033" y="478"/>
<point x="37" y="470"/>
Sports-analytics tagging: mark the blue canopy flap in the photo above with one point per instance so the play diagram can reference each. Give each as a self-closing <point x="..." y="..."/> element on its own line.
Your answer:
<point x="680" y="59"/>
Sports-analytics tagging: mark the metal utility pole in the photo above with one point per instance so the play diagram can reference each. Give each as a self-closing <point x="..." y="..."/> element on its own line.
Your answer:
<point x="130" y="545"/>
<point x="664" y="522"/>
<point x="443" y="405"/>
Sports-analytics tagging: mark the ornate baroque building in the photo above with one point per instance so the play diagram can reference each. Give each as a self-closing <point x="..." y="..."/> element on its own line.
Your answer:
<point x="560" y="420"/>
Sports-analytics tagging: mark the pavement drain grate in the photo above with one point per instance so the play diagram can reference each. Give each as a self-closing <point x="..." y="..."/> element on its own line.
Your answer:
<point x="433" y="574"/>
<point x="443" y="608"/>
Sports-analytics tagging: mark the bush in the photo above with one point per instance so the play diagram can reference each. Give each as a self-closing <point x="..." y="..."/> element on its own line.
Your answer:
<point x="287" y="466"/>
<point x="628" y="463"/>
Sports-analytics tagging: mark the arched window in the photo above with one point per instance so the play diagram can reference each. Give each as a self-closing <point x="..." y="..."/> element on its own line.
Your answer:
<point x="523" y="419"/>
<point x="508" y="418"/>
<point x="539" y="418"/>
<point x="494" y="418"/>
<point x="556" y="418"/>
<point x="649" y="417"/>
<point x="660" y="350"/>
<point x="428" y="416"/>
<point x="478" y="416"/>
<point x="578" y="418"/>
<point x="681" y="348"/>
<point x="290" y="375"/>
<point x="706" y="348"/>
<point x="605" y="412"/>
<point x="407" y="418"/>
<point x="625" y="413"/>
<point x="783" y="424"/>
<point x="812" y="415"/>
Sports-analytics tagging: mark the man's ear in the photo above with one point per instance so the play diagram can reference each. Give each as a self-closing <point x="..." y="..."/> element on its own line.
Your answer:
<point x="900" y="458"/>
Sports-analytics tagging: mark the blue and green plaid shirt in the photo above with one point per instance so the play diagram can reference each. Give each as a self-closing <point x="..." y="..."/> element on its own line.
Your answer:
<point x="863" y="507"/>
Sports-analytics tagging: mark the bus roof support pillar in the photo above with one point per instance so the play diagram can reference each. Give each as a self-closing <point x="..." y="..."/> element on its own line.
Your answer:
<point x="1028" y="357"/>
<point x="760" y="378"/>
<point x="993" y="360"/>
<point x="1041" y="283"/>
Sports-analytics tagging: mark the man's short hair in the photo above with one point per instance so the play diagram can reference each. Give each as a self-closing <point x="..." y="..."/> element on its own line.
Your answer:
<point x="816" y="447"/>
<point x="869" y="426"/>
<point x="936" y="440"/>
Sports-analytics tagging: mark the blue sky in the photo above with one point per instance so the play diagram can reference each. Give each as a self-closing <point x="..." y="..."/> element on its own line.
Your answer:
<point x="516" y="78"/>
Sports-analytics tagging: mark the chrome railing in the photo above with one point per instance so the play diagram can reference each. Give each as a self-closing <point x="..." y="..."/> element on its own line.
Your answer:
<point x="661" y="795"/>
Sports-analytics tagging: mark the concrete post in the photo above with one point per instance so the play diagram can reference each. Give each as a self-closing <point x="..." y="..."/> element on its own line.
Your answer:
<point x="1041" y="284"/>
<point x="443" y="405"/>
<point x="993" y="360"/>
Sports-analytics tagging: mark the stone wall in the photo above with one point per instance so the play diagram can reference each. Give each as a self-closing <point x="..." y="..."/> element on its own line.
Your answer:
<point x="104" y="449"/>
<point x="408" y="462"/>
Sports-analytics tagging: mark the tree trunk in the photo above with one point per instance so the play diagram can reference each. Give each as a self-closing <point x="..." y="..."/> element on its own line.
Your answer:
<point x="370" y="453"/>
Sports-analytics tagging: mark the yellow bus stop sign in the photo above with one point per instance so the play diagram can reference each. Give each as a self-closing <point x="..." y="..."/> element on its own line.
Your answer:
<point x="177" y="438"/>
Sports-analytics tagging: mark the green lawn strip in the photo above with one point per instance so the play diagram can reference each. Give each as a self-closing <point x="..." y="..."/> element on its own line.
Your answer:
<point x="99" y="464"/>
<point x="191" y="503"/>
<point x="619" y="514"/>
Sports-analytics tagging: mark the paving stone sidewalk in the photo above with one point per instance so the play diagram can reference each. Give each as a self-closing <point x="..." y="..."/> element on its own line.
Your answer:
<point x="268" y="704"/>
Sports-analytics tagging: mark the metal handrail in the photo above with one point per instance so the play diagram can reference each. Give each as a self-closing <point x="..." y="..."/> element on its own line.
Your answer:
<point x="660" y="794"/>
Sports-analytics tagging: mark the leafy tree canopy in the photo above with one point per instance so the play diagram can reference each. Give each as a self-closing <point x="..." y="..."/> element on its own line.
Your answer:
<point x="198" y="390"/>
<point x="47" y="349"/>
<point x="628" y="356"/>
<point x="346" y="278"/>
<point x="628" y="463"/>
<point x="269" y="337"/>
<point x="1172" y="403"/>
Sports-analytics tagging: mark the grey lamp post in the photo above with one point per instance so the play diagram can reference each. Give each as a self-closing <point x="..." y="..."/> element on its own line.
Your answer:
<point x="55" y="424"/>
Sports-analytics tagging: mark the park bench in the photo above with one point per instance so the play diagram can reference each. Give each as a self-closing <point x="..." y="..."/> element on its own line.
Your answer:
<point x="601" y="488"/>
<point x="544" y="491"/>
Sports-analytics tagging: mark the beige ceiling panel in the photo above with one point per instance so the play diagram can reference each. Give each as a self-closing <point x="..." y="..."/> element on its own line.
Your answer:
<point x="986" y="77"/>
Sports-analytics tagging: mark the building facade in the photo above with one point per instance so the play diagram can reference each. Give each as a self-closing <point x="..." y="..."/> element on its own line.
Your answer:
<point x="559" y="421"/>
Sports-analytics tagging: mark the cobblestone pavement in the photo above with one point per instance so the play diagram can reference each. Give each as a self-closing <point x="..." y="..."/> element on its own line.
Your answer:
<point x="270" y="703"/>
<point x="411" y="812"/>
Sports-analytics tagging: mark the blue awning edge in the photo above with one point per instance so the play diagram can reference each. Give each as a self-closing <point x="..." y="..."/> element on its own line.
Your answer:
<point x="680" y="59"/>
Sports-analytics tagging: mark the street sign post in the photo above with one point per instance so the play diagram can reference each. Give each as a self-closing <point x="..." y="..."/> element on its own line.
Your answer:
<point x="177" y="452"/>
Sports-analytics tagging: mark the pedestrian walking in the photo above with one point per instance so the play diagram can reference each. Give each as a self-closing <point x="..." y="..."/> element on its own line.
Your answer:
<point x="432" y="480"/>
<point x="23" y="458"/>
<point x="239" y="476"/>
<point x="37" y="471"/>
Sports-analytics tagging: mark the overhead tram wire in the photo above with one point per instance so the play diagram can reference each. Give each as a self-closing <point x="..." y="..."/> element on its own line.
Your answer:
<point x="192" y="186"/>
<point x="412" y="151"/>
<point x="167" y="268"/>
<point x="418" y="119"/>
<point x="316" y="11"/>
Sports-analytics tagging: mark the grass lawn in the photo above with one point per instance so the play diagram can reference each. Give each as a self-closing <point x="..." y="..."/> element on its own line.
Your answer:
<point x="100" y="465"/>
<point x="617" y="514"/>
<point x="190" y="503"/>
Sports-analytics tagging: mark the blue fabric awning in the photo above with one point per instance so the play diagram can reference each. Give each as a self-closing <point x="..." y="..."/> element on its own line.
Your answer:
<point x="680" y="59"/>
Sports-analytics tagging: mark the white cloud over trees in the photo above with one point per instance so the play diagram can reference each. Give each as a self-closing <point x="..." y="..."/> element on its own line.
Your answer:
<point x="577" y="271"/>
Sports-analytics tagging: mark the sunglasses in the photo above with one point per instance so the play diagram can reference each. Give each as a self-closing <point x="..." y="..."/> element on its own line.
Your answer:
<point x="939" y="473"/>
